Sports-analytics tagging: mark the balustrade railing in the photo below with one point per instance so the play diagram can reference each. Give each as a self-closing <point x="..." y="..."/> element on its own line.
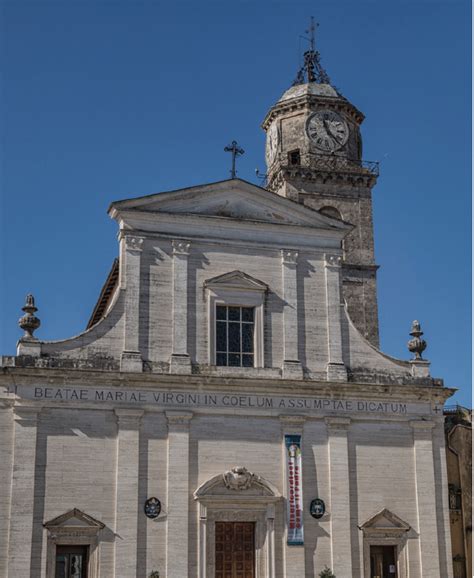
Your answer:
<point x="334" y="162"/>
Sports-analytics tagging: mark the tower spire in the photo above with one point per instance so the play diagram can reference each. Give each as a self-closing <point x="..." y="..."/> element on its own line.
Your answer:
<point x="312" y="69"/>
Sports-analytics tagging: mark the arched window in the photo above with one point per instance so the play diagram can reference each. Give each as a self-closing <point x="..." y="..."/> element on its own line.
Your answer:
<point x="331" y="212"/>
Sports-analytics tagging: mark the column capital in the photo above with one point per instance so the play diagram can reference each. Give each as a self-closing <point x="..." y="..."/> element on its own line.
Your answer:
<point x="289" y="256"/>
<point x="128" y="418"/>
<point x="420" y="425"/>
<point x="270" y="513"/>
<point x="202" y="511"/>
<point x="181" y="247"/>
<point x="332" y="260"/>
<point x="291" y="423"/>
<point x="7" y="403"/>
<point x="179" y="418"/>
<point x="27" y="415"/>
<point x="133" y="242"/>
<point x="337" y="424"/>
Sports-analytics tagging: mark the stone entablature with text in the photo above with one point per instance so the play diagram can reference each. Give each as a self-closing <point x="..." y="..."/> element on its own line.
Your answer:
<point x="312" y="405"/>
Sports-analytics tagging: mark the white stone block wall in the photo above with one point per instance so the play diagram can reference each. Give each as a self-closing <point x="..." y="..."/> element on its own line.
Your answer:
<point x="78" y="454"/>
<point x="81" y="471"/>
<point x="205" y="262"/>
<point x="149" y="328"/>
<point x="153" y="483"/>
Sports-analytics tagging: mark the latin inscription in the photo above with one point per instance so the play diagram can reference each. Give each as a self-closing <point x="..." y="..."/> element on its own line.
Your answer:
<point x="169" y="399"/>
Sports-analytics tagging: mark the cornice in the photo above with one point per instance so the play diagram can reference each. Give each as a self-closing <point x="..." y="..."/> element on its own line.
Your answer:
<point x="224" y="228"/>
<point x="359" y="266"/>
<point x="353" y="177"/>
<point x="57" y="377"/>
<point x="313" y="102"/>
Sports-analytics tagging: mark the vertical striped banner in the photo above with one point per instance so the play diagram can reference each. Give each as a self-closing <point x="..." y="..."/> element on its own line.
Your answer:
<point x="294" y="490"/>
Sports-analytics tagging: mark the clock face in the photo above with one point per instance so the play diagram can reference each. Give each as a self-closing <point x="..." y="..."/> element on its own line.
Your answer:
<point x="327" y="130"/>
<point x="273" y="138"/>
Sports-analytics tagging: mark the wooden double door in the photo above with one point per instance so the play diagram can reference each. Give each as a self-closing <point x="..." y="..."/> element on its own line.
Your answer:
<point x="235" y="549"/>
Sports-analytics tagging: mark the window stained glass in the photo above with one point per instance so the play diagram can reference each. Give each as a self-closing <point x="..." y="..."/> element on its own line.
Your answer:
<point x="235" y="336"/>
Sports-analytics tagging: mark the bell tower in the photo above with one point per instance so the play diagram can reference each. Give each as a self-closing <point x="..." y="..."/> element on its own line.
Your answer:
<point x="314" y="157"/>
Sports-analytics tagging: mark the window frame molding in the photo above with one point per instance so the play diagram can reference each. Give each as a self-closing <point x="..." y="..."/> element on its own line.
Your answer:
<point x="236" y="289"/>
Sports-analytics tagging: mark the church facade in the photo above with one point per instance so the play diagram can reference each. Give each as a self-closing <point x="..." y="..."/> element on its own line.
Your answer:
<point x="227" y="412"/>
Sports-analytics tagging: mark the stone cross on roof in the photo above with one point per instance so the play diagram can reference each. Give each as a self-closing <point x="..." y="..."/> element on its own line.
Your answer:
<point x="236" y="151"/>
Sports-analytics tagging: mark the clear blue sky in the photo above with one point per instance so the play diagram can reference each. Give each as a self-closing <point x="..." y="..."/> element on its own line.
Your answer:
<point x="108" y="100"/>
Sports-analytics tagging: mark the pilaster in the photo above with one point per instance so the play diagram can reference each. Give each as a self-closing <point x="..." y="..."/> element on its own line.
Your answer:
<point x="271" y="570"/>
<point x="180" y="361"/>
<point x="442" y="497"/>
<point x="336" y="370"/>
<point x="23" y="491"/>
<point x="6" y="470"/>
<point x="202" y="541"/>
<point x="337" y="428"/>
<point x="426" y="498"/>
<point x="128" y="423"/>
<point x="177" y="539"/>
<point x="132" y="247"/>
<point x="291" y="364"/>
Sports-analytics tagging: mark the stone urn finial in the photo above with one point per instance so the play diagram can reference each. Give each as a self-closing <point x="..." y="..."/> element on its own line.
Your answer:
<point x="29" y="322"/>
<point x="416" y="345"/>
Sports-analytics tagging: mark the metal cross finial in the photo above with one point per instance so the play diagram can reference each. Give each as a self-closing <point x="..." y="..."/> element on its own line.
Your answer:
<point x="312" y="67"/>
<point x="311" y="30"/>
<point x="236" y="151"/>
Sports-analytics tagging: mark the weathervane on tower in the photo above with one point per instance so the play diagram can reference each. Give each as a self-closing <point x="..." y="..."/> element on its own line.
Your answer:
<point x="312" y="68"/>
<point x="236" y="152"/>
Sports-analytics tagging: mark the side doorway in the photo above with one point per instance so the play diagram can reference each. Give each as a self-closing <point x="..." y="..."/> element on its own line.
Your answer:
<point x="385" y="540"/>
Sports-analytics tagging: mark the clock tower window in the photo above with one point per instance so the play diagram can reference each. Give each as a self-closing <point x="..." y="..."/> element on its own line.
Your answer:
<point x="294" y="157"/>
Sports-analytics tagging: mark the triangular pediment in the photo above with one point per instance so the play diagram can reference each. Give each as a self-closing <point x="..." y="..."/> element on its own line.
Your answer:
<point x="232" y="199"/>
<point x="385" y="520"/>
<point x="74" y="518"/>
<point x="237" y="280"/>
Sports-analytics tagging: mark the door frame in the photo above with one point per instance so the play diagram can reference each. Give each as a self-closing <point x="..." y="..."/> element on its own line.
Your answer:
<point x="254" y="501"/>
<point x="400" y="553"/>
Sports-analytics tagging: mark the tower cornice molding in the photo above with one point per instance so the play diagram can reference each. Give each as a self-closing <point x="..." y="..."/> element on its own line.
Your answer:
<point x="358" y="177"/>
<point x="312" y="102"/>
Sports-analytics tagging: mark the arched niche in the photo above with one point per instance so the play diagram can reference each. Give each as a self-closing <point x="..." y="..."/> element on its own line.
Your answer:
<point x="238" y="496"/>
